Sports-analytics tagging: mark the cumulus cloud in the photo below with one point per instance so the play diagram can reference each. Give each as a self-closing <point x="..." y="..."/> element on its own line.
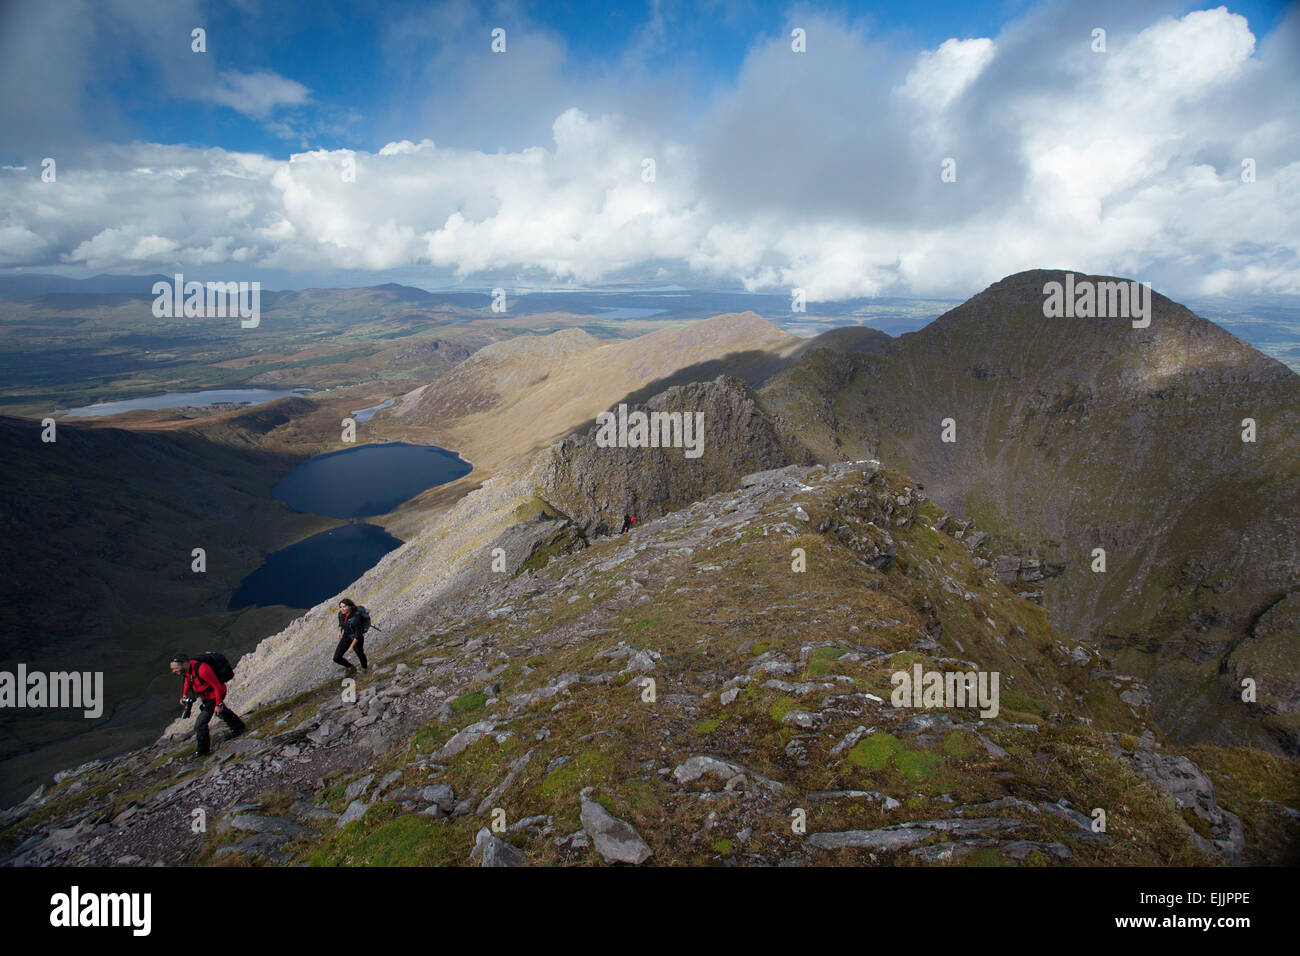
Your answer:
<point x="819" y="170"/>
<point x="256" y="94"/>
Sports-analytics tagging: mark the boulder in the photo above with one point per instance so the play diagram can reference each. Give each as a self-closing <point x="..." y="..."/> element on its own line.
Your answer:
<point x="493" y="851"/>
<point x="614" y="839"/>
<point x="1193" y="790"/>
<point x="355" y="811"/>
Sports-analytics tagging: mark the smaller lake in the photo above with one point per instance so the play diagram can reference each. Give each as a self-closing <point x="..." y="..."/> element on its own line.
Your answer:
<point x="304" y="574"/>
<point x="368" y="479"/>
<point x="363" y="415"/>
<point x="213" y="396"/>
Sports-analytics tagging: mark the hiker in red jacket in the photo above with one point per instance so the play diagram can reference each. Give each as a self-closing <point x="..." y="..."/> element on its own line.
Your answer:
<point x="202" y="683"/>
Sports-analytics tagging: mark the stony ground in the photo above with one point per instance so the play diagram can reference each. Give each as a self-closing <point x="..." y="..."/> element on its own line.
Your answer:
<point x="686" y="694"/>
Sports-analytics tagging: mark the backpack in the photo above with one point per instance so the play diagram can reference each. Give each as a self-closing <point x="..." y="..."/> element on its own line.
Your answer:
<point x="365" y="619"/>
<point x="220" y="666"/>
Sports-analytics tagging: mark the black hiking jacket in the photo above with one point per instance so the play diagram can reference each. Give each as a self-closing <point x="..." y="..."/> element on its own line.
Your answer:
<point x="352" y="626"/>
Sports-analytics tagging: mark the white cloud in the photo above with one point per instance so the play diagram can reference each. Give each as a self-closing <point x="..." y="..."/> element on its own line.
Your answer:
<point x="817" y="173"/>
<point x="942" y="75"/>
<point x="257" y="94"/>
<point x="19" y="245"/>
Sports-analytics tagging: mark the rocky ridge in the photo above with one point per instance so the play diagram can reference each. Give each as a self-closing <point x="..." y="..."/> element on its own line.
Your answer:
<point x="767" y="736"/>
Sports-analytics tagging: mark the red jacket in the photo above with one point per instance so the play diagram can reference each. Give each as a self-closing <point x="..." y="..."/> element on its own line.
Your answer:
<point x="202" y="680"/>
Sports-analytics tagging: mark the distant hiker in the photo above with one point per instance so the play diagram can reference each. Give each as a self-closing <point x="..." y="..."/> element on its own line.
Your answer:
<point x="628" y="521"/>
<point x="205" y="681"/>
<point x="354" y="621"/>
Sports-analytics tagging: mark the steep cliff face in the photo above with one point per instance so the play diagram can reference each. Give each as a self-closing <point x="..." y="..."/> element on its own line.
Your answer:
<point x="1269" y="657"/>
<point x="1073" y="434"/>
<point x="596" y="486"/>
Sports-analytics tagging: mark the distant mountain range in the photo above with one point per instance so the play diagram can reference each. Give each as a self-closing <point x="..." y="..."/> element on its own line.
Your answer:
<point x="1270" y="323"/>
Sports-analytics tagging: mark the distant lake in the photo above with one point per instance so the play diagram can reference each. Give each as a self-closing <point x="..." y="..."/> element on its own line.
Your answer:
<point x="363" y="415"/>
<point x="214" y="396"/>
<point x="306" y="573"/>
<point x="367" y="480"/>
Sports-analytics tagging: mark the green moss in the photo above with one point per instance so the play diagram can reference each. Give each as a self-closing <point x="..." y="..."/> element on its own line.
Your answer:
<point x="480" y="760"/>
<point x="407" y="840"/>
<point x="874" y="751"/>
<point x="917" y="765"/>
<point x="1196" y="823"/>
<point x="468" y="702"/>
<point x="959" y="744"/>
<point x="987" y="857"/>
<point x="783" y="707"/>
<point x="822" y="660"/>
<point x="708" y="726"/>
<point x="587" y="769"/>
<point x="723" y="846"/>
<point x="1010" y="700"/>
<point x="429" y="738"/>
<point x="641" y="797"/>
<point x="332" y="798"/>
<point x="542" y="554"/>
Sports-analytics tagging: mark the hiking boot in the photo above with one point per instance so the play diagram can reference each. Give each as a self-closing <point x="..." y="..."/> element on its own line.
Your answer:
<point x="196" y="757"/>
<point x="231" y="735"/>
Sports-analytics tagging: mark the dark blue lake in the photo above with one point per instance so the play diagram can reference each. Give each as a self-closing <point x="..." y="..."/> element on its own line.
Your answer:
<point x="306" y="573"/>
<point x="368" y="479"/>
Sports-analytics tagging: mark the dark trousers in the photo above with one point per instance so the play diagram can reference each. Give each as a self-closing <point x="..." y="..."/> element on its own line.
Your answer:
<point x="343" y="649"/>
<point x="206" y="709"/>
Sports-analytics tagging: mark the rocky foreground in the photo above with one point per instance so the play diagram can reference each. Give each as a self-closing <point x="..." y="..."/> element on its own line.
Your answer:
<point x="689" y="694"/>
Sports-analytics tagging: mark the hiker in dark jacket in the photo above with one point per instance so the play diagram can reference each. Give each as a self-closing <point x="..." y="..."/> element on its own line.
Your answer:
<point x="353" y="623"/>
<point x="628" y="521"/>
<point x="201" y="681"/>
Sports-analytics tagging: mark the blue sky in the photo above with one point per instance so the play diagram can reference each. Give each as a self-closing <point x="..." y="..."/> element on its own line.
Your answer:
<point x="773" y="169"/>
<point x="342" y="52"/>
